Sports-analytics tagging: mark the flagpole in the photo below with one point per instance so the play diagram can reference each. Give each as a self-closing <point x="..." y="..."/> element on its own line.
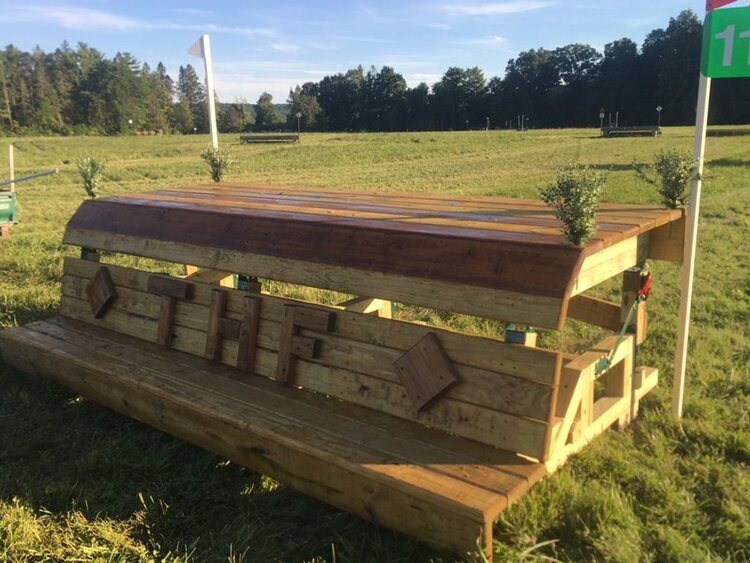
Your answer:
<point x="691" y="241"/>
<point x="210" y="90"/>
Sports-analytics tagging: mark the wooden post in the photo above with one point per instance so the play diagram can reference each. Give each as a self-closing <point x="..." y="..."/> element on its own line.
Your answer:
<point x="631" y="284"/>
<point x="11" y="168"/>
<point x="691" y="242"/>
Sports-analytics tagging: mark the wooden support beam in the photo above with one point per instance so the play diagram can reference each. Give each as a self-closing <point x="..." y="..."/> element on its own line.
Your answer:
<point x="668" y="242"/>
<point x="292" y="345"/>
<point x="216" y="313"/>
<point x="207" y="275"/>
<point x="90" y="254"/>
<point x="631" y="284"/>
<point x="597" y="312"/>
<point x="170" y="290"/>
<point x="162" y="285"/>
<point x="165" y="332"/>
<point x="248" y="337"/>
<point x="369" y="306"/>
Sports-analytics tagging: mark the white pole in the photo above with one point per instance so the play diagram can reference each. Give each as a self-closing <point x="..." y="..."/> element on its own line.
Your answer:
<point x="210" y="91"/>
<point x="11" y="167"/>
<point x="691" y="241"/>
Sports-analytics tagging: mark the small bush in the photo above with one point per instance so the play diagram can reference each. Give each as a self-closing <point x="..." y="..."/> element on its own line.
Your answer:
<point x="92" y="173"/>
<point x="220" y="162"/>
<point x="675" y="169"/>
<point x="575" y="196"/>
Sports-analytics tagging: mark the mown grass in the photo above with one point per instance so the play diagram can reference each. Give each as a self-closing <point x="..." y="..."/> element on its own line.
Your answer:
<point x="78" y="482"/>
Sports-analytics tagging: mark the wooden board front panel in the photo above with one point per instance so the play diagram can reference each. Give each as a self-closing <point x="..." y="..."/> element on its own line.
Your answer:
<point x="503" y="398"/>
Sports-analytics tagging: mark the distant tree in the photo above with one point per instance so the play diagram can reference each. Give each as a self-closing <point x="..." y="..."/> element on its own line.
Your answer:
<point x="672" y="58"/>
<point x="341" y="98"/>
<point x="621" y="81"/>
<point x="459" y="97"/>
<point x="181" y="117"/>
<point x="191" y="90"/>
<point x="307" y="105"/>
<point x="265" y="113"/>
<point x="575" y="98"/>
<point x="385" y="106"/>
<point x="529" y="81"/>
<point x="236" y="117"/>
<point x="418" y="107"/>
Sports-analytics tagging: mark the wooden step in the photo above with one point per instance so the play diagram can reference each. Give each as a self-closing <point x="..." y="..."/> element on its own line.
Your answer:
<point x="444" y="490"/>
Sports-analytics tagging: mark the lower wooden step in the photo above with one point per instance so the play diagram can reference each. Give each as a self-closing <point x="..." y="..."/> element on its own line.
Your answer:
<point x="444" y="490"/>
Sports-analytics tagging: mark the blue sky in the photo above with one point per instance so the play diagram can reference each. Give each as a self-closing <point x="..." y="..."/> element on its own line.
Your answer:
<point x="274" y="44"/>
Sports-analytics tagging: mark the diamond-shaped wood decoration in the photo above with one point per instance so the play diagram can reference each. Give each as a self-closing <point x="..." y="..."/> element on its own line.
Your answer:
<point x="425" y="371"/>
<point x="100" y="292"/>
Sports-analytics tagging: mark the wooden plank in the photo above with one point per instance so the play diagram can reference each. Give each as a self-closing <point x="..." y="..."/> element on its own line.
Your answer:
<point x="597" y="312"/>
<point x="286" y="359"/>
<point x="261" y="443"/>
<point x="163" y="285"/>
<point x="166" y="320"/>
<point x="206" y="275"/>
<point x="248" y="338"/>
<point x="518" y="396"/>
<point x="467" y="350"/>
<point x="499" y="429"/>
<point x="368" y="306"/>
<point x="668" y="242"/>
<point x="535" y="364"/>
<point x="541" y="266"/>
<point x="229" y="328"/>
<point x="305" y="347"/>
<point x="603" y="265"/>
<point x="100" y="292"/>
<point x="314" y="319"/>
<point x="511" y="306"/>
<point x="216" y="313"/>
<point x="463" y="458"/>
<point x="425" y="371"/>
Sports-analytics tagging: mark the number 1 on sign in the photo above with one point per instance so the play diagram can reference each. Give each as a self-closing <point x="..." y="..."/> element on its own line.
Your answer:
<point x="728" y="37"/>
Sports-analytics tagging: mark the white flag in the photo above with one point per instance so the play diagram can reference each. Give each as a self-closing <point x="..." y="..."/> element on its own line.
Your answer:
<point x="197" y="48"/>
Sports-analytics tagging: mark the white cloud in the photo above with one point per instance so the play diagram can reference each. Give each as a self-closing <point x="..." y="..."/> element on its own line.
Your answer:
<point x="497" y="8"/>
<point x="97" y="20"/>
<point x="282" y="47"/>
<point x="491" y="42"/>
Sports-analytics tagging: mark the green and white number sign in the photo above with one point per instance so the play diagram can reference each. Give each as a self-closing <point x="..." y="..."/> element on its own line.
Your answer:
<point x="726" y="39"/>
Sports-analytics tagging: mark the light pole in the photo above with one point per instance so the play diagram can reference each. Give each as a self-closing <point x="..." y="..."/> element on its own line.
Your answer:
<point x="299" y="115"/>
<point x="658" y="116"/>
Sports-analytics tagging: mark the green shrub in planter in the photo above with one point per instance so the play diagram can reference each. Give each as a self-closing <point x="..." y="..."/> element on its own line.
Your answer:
<point x="220" y="162"/>
<point x="675" y="169"/>
<point x="575" y="195"/>
<point x="92" y="172"/>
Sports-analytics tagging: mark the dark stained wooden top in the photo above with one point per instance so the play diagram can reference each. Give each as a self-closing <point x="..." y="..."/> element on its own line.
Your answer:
<point x="509" y="244"/>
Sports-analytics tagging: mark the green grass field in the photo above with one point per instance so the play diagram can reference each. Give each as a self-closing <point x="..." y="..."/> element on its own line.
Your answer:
<point x="80" y="483"/>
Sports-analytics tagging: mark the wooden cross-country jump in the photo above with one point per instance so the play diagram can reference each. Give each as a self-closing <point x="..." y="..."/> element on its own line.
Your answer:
<point x="423" y="430"/>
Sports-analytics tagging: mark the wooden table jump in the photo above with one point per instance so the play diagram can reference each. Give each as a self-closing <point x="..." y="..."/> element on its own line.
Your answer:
<point x="424" y="430"/>
<point x="632" y="131"/>
<point x="256" y="138"/>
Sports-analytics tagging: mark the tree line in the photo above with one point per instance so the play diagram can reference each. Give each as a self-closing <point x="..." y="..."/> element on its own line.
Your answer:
<point x="79" y="90"/>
